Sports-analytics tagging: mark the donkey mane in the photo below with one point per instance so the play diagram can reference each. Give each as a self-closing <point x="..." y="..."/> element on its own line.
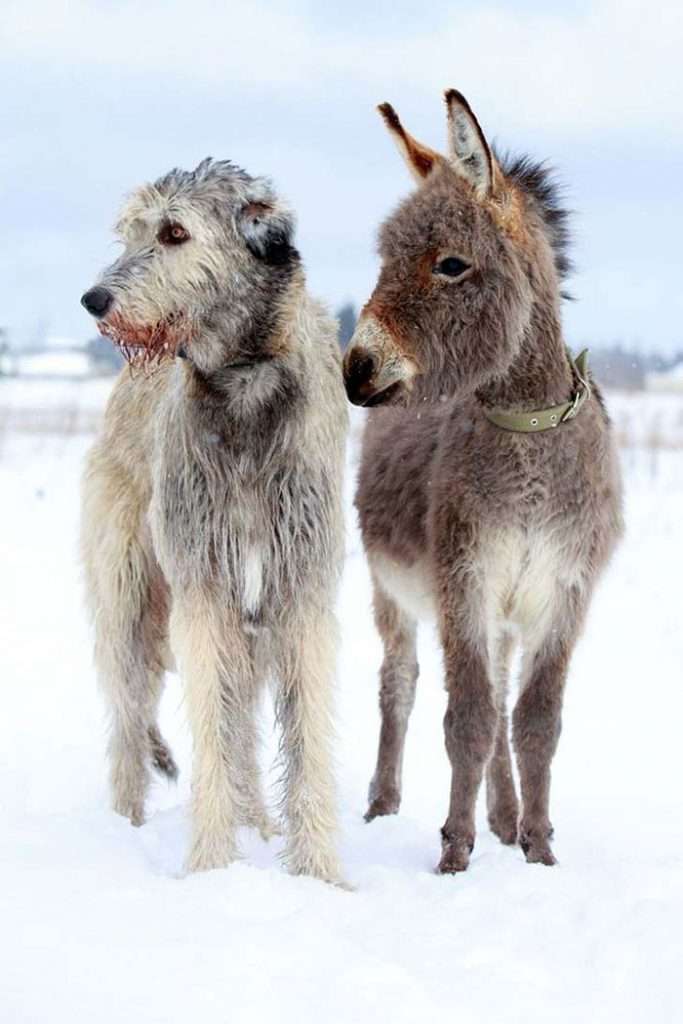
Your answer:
<point x="538" y="180"/>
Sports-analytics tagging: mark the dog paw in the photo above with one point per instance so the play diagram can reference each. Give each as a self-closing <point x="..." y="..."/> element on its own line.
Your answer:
<point x="134" y="810"/>
<point x="205" y="857"/>
<point x="323" y="866"/>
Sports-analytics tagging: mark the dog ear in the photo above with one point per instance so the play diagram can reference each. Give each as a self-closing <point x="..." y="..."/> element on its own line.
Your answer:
<point x="268" y="229"/>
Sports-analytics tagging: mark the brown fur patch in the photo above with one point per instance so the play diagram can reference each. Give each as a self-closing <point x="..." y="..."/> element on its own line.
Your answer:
<point x="507" y="207"/>
<point x="425" y="268"/>
<point x="145" y="347"/>
<point x="255" y="210"/>
<point x="382" y="313"/>
<point x="421" y="158"/>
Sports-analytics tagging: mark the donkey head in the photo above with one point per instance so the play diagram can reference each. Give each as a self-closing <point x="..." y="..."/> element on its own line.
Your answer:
<point x="463" y="261"/>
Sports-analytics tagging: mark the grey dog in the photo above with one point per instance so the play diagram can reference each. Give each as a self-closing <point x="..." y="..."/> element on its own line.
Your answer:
<point x="212" y="524"/>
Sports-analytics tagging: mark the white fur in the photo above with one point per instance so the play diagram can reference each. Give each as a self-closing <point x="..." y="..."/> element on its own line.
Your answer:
<point x="515" y="591"/>
<point x="519" y="579"/>
<point x="253" y="578"/>
<point x="411" y="587"/>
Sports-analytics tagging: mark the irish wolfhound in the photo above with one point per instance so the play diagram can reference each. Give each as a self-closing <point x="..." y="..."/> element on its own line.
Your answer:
<point x="212" y="516"/>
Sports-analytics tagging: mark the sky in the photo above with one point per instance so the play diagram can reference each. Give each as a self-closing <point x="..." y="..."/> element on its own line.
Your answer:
<point x="98" y="97"/>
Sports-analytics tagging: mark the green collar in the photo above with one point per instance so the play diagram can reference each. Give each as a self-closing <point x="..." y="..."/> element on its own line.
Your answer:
<point x="548" y="419"/>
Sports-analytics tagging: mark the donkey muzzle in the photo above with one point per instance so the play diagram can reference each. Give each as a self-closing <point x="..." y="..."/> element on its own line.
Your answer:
<point x="360" y="376"/>
<point x="374" y="372"/>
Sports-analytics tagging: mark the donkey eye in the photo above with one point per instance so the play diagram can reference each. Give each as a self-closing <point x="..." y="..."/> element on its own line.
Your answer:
<point x="173" y="234"/>
<point x="451" y="267"/>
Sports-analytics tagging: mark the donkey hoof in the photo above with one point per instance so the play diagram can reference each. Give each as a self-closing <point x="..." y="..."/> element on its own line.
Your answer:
<point x="537" y="849"/>
<point x="455" y="854"/>
<point x="540" y="853"/>
<point x="505" y="827"/>
<point x="453" y="860"/>
<point x="381" y="806"/>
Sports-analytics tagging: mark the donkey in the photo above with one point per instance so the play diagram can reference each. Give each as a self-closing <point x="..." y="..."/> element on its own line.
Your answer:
<point x="212" y="515"/>
<point x="488" y="492"/>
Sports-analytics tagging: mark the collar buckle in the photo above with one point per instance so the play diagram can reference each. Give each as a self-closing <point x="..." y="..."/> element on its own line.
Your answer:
<point x="583" y="390"/>
<point x="580" y="396"/>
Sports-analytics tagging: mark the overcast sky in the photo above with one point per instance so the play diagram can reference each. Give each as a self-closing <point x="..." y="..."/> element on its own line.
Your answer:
<point x="100" y="96"/>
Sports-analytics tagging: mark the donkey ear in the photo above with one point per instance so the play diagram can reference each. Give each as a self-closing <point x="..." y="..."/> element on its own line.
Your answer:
<point x="468" y="149"/>
<point x="268" y="229"/>
<point x="420" y="159"/>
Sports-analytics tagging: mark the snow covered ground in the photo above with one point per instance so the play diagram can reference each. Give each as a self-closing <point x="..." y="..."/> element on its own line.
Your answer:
<point x="97" y="925"/>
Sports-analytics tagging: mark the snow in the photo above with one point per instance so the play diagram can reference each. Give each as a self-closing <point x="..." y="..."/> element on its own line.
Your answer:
<point x="57" y="405"/>
<point x="98" y="924"/>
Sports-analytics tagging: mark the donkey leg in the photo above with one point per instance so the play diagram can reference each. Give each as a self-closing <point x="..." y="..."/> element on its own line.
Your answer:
<point x="501" y="797"/>
<point x="306" y="661"/>
<point x="470" y="728"/>
<point x="215" y="663"/>
<point x="536" y="731"/>
<point x="398" y="678"/>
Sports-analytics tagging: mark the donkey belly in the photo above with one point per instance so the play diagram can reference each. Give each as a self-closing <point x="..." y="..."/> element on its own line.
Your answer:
<point x="410" y="586"/>
<point x="520" y="581"/>
<point x="524" y="580"/>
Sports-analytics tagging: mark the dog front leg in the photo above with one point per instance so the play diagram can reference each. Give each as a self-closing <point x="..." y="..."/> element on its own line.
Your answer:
<point x="215" y="663"/>
<point x="306" y="669"/>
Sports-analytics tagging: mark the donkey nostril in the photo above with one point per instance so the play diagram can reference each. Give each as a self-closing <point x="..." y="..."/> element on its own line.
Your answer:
<point x="97" y="301"/>
<point x="359" y="368"/>
<point x="358" y="372"/>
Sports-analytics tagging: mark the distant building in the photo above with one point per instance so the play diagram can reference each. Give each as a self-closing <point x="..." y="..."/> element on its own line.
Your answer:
<point x="70" y="364"/>
<point x="61" y="358"/>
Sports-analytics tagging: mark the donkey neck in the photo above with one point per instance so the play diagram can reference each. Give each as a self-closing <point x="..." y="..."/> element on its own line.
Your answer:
<point x="540" y="375"/>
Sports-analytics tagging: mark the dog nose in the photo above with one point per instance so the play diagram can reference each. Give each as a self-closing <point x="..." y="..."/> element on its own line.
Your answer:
<point x="359" y="368"/>
<point x="97" y="301"/>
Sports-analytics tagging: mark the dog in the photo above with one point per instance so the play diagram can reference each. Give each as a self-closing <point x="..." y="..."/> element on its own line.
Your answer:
<point x="212" y="521"/>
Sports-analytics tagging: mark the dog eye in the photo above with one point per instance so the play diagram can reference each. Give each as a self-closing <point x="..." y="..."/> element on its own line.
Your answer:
<point x="173" y="234"/>
<point x="451" y="267"/>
